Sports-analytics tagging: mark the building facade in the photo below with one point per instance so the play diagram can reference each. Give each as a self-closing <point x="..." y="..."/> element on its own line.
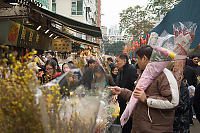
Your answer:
<point x="114" y="35"/>
<point x="85" y="11"/>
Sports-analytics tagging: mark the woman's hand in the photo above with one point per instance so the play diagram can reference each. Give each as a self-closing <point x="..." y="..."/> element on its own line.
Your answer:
<point x="115" y="90"/>
<point x="140" y="94"/>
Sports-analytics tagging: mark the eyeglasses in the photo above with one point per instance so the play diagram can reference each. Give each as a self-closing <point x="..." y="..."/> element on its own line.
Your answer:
<point x="47" y="69"/>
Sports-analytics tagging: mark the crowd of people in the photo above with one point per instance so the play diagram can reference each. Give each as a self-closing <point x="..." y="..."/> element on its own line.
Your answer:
<point x="151" y="114"/>
<point x="155" y="117"/>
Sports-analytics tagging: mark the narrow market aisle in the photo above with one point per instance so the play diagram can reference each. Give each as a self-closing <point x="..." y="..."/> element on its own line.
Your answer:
<point x="196" y="127"/>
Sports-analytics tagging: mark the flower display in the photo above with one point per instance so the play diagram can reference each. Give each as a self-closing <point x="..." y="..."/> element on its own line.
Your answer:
<point x="18" y="109"/>
<point x="27" y="106"/>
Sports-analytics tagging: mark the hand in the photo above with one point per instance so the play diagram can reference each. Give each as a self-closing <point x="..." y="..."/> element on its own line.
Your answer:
<point x="115" y="71"/>
<point x="115" y="90"/>
<point x="140" y="94"/>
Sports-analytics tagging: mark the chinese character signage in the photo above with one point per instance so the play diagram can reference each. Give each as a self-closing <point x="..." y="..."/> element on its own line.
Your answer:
<point x="61" y="45"/>
<point x="33" y="39"/>
<point x="9" y="32"/>
<point x="16" y="34"/>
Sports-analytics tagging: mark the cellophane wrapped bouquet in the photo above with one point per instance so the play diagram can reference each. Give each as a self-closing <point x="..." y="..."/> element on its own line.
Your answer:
<point x="80" y="110"/>
<point x="184" y="35"/>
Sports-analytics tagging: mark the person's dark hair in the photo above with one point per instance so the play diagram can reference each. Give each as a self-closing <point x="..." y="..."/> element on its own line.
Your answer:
<point x="144" y="51"/>
<point x="91" y="61"/>
<point x="109" y="59"/>
<point x="58" y="67"/>
<point x="52" y="63"/>
<point x="63" y="66"/>
<point x="70" y="62"/>
<point x="98" y="69"/>
<point x="190" y="75"/>
<point x="193" y="56"/>
<point x="123" y="56"/>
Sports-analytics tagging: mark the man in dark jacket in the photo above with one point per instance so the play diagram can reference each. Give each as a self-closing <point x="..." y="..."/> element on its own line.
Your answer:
<point x="182" y="112"/>
<point x="193" y="62"/>
<point x="190" y="76"/>
<point x="125" y="78"/>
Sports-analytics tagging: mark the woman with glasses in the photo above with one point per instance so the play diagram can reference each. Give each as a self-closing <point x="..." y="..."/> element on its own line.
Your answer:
<point x="51" y="71"/>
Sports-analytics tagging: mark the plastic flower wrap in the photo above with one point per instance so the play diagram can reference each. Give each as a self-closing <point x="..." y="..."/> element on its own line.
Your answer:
<point x="184" y="35"/>
<point x="60" y="106"/>
<point x="160" y="59"/>
<point x="80" y="110"/>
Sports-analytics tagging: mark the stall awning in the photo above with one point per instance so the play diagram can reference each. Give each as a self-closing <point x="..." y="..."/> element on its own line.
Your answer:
<point x="36" y="16"/>
<point x="73" y="38"/>
<point x="76" y="25"/>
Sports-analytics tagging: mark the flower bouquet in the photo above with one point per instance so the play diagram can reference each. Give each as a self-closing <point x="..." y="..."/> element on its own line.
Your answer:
<point x="184" y="35"/>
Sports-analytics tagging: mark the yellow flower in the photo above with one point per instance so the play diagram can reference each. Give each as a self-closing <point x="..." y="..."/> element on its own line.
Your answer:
<point x="115" y="115"/>
<point x="34" y="52"/>
<point x="36" y="60"/>
<point x="116" y="112"/>
<point x="30" y="57"/>
<point x="71" y="93"/>
<point x="20" y="105"/>
<point x="172" y="55"/>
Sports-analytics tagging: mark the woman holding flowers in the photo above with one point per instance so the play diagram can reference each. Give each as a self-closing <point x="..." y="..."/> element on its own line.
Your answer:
<point x="152" y="113"/>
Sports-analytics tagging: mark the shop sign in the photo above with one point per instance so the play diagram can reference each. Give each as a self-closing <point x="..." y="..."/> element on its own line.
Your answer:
<point x="61" y="45"/>
<point x="33" y="39"/>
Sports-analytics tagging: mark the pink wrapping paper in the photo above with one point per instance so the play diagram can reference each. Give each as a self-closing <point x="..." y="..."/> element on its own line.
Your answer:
<point x="152" y="70"/>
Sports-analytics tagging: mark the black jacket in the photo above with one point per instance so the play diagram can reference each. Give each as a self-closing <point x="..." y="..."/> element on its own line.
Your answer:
<point x="194" y="66"/>
<point x="190" y="75"/>
<point x="125" y="79"/>
<point x="196" y="102"/>
<point x="87" y="78"/>
<point x="181" y="119"/>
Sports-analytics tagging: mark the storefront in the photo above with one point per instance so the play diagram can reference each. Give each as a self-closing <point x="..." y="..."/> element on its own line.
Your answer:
<point x="29" y="26"/>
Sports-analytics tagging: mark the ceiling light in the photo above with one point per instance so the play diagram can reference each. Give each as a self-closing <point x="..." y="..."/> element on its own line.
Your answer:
<point x="14" y="4"/>
<point x="38" y="28"/>
<point x="46" y="31"/>
<point x="55" y="37"/>
<point x="51" y="35"/>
